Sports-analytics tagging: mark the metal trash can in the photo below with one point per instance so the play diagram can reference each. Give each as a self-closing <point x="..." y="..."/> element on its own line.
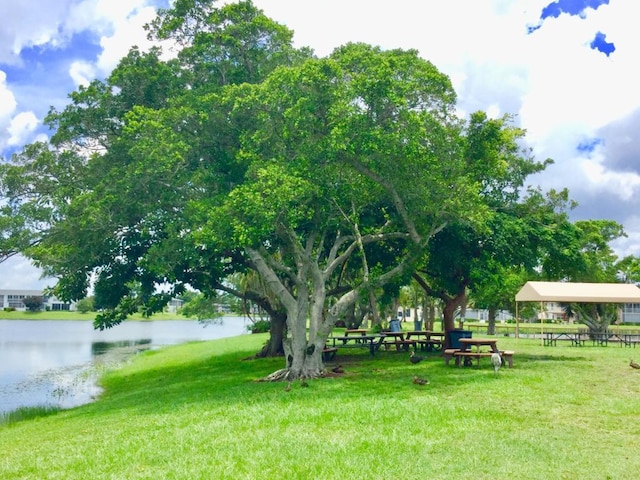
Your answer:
<point x="417" y="325"/>
<point x="454" y="336"/>
<point x="394" y="325"/>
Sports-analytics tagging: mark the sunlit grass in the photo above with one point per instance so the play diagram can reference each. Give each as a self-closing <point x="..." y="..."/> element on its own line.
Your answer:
<point x="196" y="412"/>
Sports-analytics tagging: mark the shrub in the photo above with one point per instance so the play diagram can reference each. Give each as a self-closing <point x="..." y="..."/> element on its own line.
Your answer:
<point x="85" y="305"/>
<point x="260" y="326"/>
<point x="33" y="304"/>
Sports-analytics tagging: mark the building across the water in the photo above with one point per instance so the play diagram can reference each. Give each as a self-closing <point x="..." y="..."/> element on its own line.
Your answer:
<point x="14" y="299"/>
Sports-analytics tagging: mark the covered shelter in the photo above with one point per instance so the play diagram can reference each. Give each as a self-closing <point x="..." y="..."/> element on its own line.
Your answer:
<point x="567" y="292"/>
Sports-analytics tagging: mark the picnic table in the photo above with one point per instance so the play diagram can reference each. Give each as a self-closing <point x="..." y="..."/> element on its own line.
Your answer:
<point x="370" y="341"/>
<point x="601" y="339"/>
<point x="471" y="348"/>
<point x="355" y="331"/>
<point x="427" y="339"/>
<point x="576" y="338"/>
<point x="398" y="339"/>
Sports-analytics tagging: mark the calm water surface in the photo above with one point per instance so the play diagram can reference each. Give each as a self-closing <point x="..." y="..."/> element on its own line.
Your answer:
<point x="57" y="362"/>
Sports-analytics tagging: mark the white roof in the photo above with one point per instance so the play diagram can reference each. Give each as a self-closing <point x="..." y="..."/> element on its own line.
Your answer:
<point x="565" y="292"/>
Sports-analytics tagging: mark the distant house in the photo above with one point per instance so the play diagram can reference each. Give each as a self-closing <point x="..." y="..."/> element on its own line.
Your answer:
<point x="13" y="299"/>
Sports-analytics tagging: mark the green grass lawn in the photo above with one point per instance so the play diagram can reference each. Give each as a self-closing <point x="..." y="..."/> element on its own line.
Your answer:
<point x="195" y="411"/>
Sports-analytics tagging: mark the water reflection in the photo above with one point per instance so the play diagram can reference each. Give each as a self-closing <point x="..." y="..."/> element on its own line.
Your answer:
<point x="100" y="348"/>
<point x="58" y="362"/>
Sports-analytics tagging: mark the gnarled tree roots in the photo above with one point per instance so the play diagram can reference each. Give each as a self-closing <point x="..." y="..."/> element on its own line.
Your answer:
<point x="288" y="375"/>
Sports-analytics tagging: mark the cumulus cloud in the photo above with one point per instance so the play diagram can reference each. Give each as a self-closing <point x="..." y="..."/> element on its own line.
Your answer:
<point x="128" y="31"/>
<point x="7" y="99"/>
<point x="21" y="128"/>
<point x="26" y="24"/>
<point x="82" y="72"/>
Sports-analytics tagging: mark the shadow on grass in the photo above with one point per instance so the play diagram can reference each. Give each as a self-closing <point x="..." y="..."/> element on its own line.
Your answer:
<point x="228" y="380"/>
<point x="550" y="358"/>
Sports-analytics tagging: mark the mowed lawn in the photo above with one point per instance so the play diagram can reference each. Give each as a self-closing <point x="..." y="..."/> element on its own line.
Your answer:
<point x="195" y="411"/>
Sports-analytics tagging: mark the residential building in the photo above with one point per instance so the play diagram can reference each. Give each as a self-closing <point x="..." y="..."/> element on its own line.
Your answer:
<point x="13" y="299"/>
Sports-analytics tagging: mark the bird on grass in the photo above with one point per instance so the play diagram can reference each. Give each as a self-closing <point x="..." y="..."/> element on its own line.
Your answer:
<point x="420" y="381"/>
<point x="338" y="369"/>
<point x="413" y="358"/>
<point x="496" y="361"/>
<point x="634" y="364"/>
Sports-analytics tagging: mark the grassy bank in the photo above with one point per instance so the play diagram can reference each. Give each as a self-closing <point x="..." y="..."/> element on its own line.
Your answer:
<point x="195" y="412"/>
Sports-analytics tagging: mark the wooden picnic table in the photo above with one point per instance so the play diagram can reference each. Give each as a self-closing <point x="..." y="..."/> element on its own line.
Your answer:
<point x="355" y="331"/>
<point x="471" y="348"/>
<point x="576" y="338"/>
<point x="371" y="341"/>
<point x="602" y="339"/>
<point x="397" y="339"/>
<point x="427" y="339"/>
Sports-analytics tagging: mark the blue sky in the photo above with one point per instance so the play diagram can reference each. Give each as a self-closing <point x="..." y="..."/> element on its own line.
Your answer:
<point x="567" y="70"/>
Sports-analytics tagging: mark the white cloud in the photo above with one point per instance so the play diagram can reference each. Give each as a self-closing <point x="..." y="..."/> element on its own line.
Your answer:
<point x="127" y="33"/>
<point x="27" y="24"/>
<point x="21" y="128"/>
<point x="7" y="99"/>
<point x="82" y="73"/>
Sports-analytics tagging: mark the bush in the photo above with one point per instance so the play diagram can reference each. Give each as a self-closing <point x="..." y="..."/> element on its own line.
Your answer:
<point x="260" y="326"/>
<point x="33" y="304"/>
<point x="85" y="305"/>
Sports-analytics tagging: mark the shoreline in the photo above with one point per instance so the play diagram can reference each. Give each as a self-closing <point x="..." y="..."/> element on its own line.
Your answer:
<point x="90" y="317"/>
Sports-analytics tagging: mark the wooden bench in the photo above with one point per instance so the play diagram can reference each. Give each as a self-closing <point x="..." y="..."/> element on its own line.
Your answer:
<point x="429" y="344"/>
<point x="329" y="353"/>
<point x="449" y="353"/>
<point x="401" y="345"/>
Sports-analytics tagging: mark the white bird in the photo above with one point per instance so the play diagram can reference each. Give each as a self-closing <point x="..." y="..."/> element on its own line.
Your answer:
<point x="496" y="361"/>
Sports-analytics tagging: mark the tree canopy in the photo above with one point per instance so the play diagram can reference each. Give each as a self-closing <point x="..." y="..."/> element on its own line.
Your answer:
<point x="331" y="178"/>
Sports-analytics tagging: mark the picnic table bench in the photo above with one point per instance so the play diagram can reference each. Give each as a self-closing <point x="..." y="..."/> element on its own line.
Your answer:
<point x="427" y="340"/>
<point x="371" y="341"/>
<point x="329" y="353"/>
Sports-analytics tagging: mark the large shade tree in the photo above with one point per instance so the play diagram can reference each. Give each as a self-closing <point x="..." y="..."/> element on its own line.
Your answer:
<point x="348" y="155"/>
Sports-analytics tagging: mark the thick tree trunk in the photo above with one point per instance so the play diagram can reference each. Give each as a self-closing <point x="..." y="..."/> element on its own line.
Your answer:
<point x="491" y="325"/>
<point x="450" y="306"/>
<point x="274" y="346"/>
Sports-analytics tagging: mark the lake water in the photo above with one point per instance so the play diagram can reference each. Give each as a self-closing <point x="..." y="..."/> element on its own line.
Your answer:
<point x="58" y="362"/>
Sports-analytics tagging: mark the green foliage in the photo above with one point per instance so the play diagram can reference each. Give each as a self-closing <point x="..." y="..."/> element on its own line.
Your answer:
<point x="201" y="306"/>
<point x="596" y="316"/>
<point x="34" y="303"/>
<point x="260" y="326"/>
<point x="85" y="305"/>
